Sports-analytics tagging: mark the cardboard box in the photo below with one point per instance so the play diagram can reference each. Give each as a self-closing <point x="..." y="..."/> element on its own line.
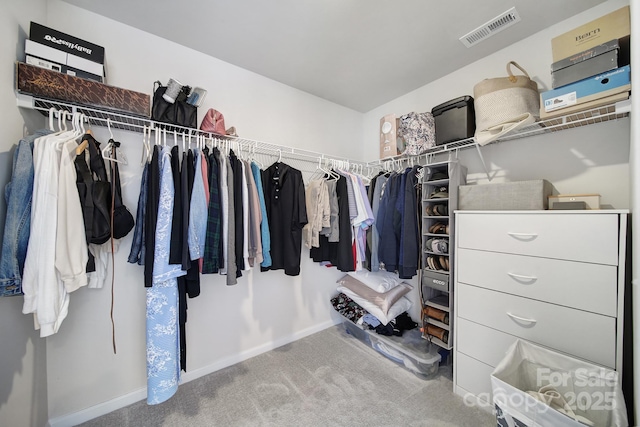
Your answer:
<point x="53" y="85"/>
<point x="592" y="201"/>
<point x="519" y="195"/>
<point x="390" y="143"/>
<point x="599" y="59"/>
<point x="600" y="86"/>
<point x="66" y="43"/>
<point x="614" y="25"/>
<point x="59" y="57"/>
<point x="571" y="113"/>
<point x="65" y="69"/>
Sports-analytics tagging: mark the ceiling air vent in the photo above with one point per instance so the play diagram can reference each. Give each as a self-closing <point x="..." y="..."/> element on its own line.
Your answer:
<point x="492" y="27"/>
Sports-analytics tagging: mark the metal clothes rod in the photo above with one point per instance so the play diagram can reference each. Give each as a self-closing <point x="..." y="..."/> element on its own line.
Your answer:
<point x="133" y="123"/>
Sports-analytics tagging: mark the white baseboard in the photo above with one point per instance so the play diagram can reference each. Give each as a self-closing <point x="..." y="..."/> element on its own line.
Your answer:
<point x="92" y="412"/>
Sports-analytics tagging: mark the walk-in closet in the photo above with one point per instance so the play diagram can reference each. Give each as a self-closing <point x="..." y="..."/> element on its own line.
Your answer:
<point x="243" y="214"/>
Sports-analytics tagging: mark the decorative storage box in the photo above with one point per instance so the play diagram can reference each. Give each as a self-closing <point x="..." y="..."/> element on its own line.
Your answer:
<point x="519" y="195"/>
<point x="455" y="120"/>
<point x="390" y="143"/>
<point x="53" y="85"/>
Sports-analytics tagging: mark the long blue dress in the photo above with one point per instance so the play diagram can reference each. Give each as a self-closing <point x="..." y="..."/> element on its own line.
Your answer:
<point x="163" y="352"/>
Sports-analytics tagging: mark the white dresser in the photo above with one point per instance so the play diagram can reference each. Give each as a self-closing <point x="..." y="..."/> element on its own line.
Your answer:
<point x="555" y="278"/>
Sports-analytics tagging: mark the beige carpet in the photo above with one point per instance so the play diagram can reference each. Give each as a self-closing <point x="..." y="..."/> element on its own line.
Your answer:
<point x="326" y="379"/>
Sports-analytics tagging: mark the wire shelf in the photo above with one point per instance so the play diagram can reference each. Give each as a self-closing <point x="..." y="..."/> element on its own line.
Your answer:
<point x="299" y="158"/>
<point x="584" y="118"/>
<point x="136" y="123"/>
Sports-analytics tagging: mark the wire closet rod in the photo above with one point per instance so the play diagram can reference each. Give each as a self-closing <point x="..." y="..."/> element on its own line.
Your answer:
<point x="134" y="123"/>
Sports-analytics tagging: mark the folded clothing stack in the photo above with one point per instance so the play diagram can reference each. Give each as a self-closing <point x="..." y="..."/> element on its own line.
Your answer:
<point x="381" y="294"/>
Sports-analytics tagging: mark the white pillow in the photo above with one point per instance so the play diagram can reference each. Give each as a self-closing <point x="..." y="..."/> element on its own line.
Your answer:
<point x="384" y="300"/>
<point x="402" y="305"/>
<point x="380" y="281"/>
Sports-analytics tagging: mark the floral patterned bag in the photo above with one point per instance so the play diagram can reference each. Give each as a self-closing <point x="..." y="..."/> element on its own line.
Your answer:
<point x="418" y="131"/>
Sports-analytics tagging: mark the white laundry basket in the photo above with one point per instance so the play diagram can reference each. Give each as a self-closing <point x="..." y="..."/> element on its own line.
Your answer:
<point x="529" y="374"/>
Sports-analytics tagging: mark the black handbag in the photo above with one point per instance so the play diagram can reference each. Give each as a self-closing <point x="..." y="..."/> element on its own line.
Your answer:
<point x="123" y="221"/>
<point x="95" y="193"/>
<point x="179" y="113"/>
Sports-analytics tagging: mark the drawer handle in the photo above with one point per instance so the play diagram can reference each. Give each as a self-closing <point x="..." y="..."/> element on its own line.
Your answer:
<point x="520" y="277"/>
<point x="522" y="319"/>
<point x="523" y="236"/>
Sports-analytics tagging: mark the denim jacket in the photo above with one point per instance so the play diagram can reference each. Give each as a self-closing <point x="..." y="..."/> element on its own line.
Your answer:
<point x="17" y="227"/>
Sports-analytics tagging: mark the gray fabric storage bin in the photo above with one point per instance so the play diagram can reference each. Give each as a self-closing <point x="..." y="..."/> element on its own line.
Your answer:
<point x="519" y="195"/>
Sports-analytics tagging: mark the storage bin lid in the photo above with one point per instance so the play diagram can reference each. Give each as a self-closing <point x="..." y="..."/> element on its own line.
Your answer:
<point x="412" y="344"/>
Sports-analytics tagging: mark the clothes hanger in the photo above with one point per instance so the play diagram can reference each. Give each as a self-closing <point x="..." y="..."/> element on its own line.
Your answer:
<point x="73" y="133"/>
<point x="146" y="145"/>
<point x="254" y="159"/>
<point x="52" y="113"/>
<point x="113" y="147"/>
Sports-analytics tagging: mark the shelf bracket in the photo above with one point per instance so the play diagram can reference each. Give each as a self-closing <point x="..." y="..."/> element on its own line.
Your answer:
<point x="484" y="165"/>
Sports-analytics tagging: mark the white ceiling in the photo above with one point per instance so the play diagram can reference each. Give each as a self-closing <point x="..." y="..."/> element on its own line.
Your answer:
<point x="356" y="53"/>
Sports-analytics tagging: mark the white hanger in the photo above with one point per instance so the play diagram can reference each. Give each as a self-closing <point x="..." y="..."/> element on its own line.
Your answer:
<point x="109" y="127"/>
<point x="60" y="114"/>
<point x="52" y="112"/>
<point x="146" y="145"/>
<point x="106" y="154"/>
<point x="108" y="149"/>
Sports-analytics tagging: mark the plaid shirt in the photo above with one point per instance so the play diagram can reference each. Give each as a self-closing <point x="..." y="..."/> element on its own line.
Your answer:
<point x="212" y="253"/>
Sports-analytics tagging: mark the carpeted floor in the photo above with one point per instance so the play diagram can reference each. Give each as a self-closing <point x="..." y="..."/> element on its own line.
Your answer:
<point x="326" y="379"/>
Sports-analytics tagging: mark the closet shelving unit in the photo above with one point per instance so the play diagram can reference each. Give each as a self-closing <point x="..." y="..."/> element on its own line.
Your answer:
<point x="439" y="200"/>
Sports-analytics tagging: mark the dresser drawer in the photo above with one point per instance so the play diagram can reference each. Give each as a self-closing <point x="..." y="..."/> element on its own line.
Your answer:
<point x="482" y="343"/>
<point x="578" y="237"/>
<point x="473" y="376"/>
<point x="587" y="335"/>
<point x="590" y="287"/>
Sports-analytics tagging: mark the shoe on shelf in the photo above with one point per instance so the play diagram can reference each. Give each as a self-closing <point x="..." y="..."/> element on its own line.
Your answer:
<point x="440" y="193"/>
<point x="439" y="228"/>
<point x="438" y="175"/>
<point x="440" y="210"/>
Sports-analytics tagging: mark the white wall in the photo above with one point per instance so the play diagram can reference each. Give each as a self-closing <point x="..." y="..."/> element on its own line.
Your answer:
<point x="593" y="159"/>
<point x="225" y="323"/>
<point x="23" y="393"/>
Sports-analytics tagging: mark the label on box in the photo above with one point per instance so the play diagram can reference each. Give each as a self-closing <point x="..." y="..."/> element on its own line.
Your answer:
<point x="66" y="43"/>
<point x="560" y="101"/>
<point x="614" y="25"/>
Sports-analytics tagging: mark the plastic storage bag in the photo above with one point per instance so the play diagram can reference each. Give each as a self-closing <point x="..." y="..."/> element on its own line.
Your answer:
<point x="577" y="393"/>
